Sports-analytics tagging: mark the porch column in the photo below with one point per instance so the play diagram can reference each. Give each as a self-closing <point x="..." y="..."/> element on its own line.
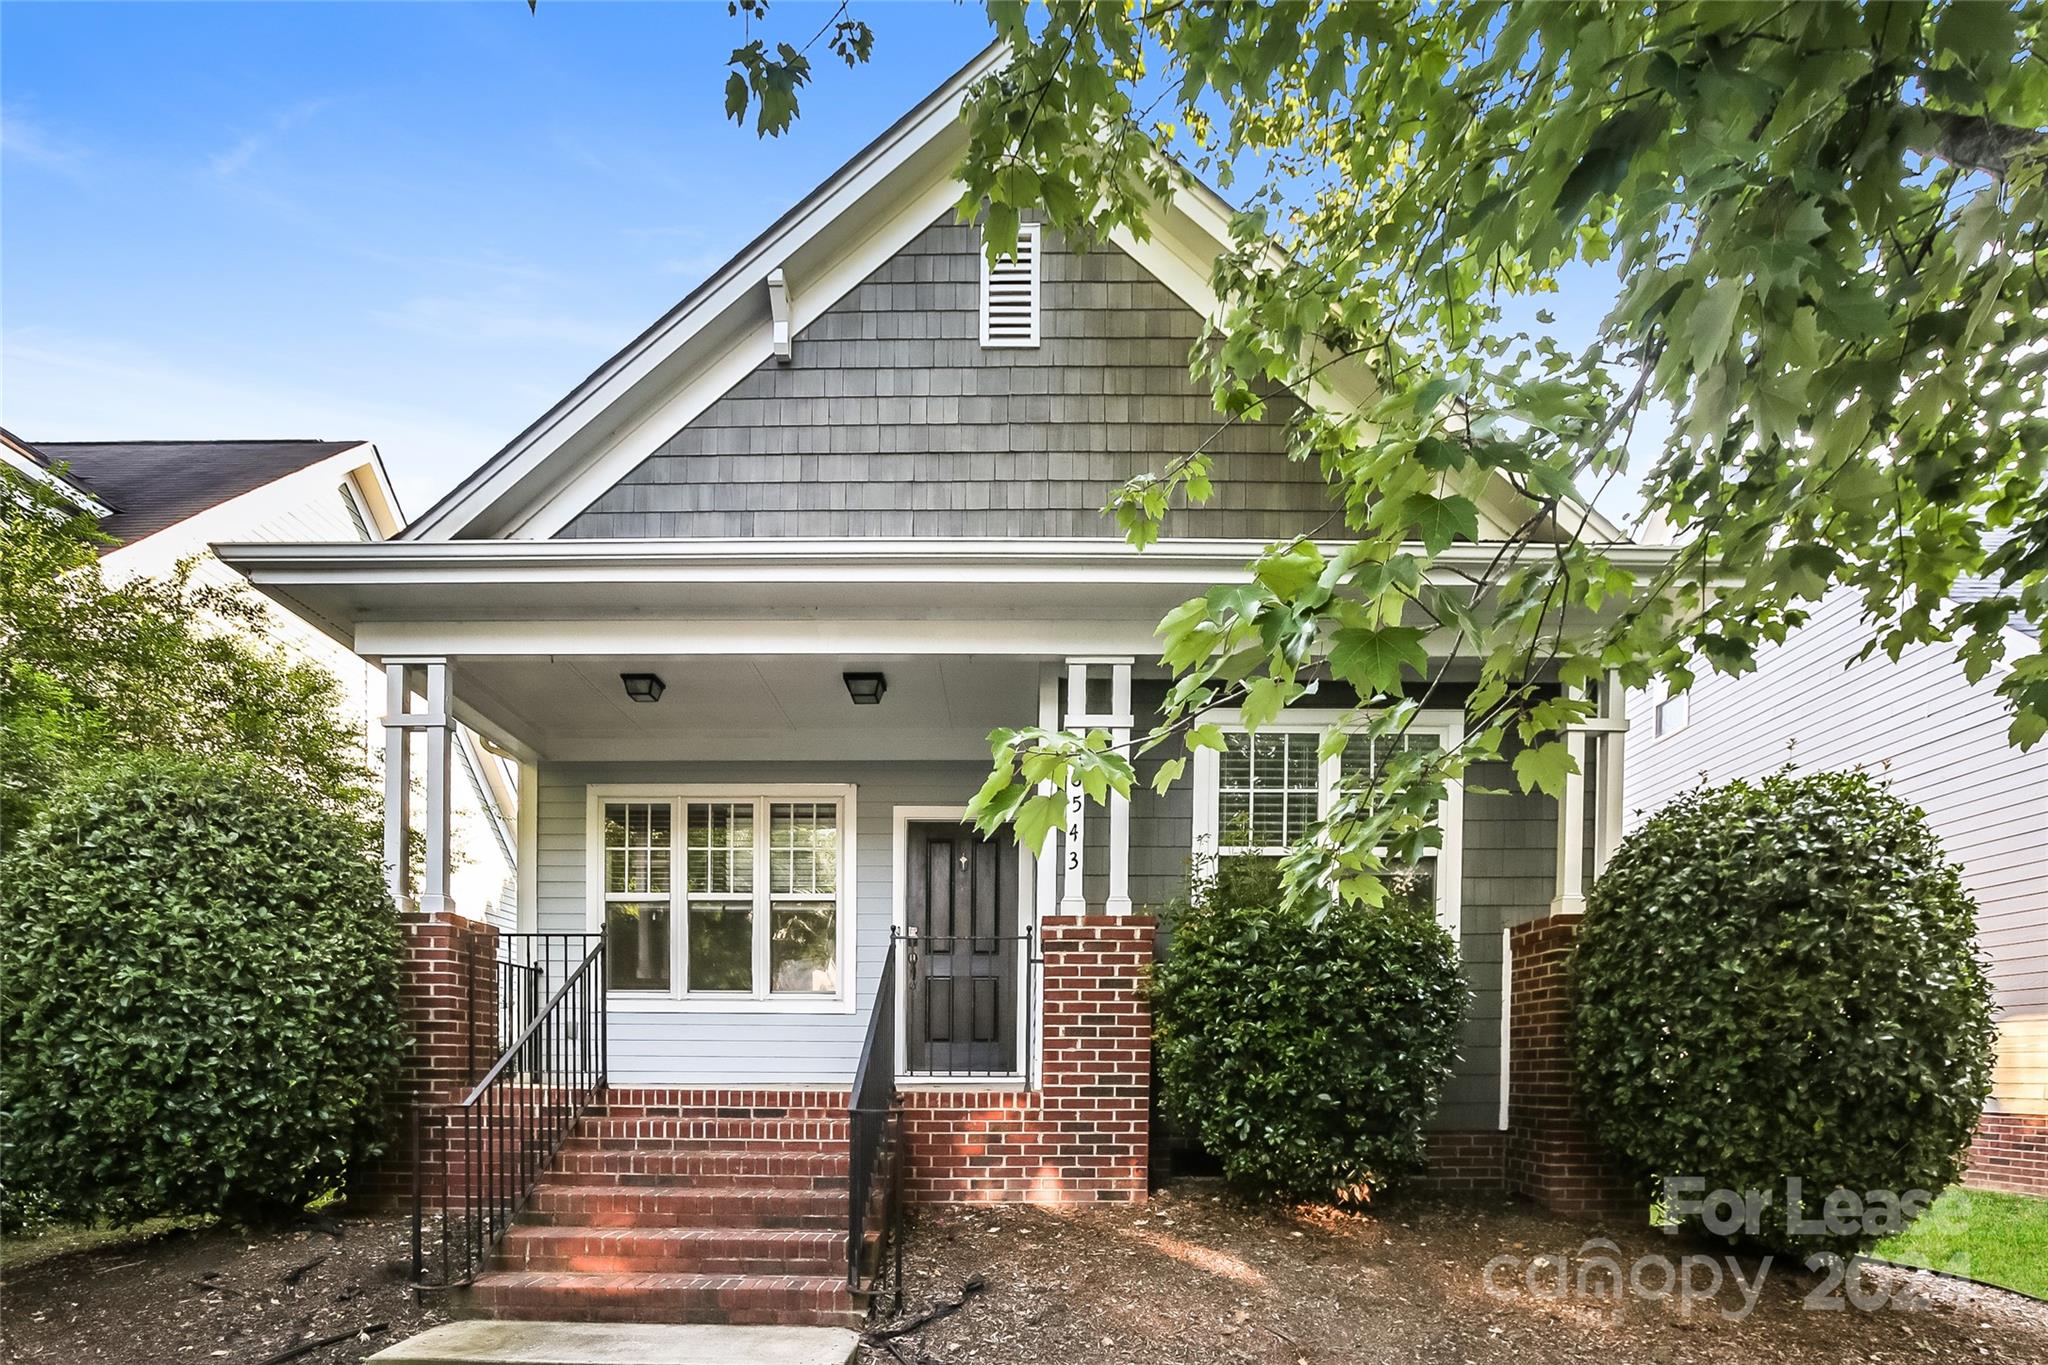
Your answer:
<point x="1082" y="714"/>
<point x="397" y="784"/>
<point x="1607" y="821"/>
<point x="1047" y="863"/>
<point x="436" y="727"/>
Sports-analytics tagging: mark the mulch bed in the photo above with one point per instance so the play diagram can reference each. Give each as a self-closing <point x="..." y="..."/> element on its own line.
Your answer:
<point x="1201" y="1276"/>
<point x="219" y="1294"/>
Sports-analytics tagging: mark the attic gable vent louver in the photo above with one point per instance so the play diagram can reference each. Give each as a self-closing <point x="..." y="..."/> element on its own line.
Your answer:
<point x="1009" y="294"/>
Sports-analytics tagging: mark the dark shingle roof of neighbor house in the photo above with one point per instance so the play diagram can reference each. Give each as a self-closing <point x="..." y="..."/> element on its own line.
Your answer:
<point x="154" y="484"/>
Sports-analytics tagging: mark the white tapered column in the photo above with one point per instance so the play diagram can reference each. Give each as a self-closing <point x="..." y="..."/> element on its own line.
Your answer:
<point x="1050" y="858"/>
<point x="1119" y="899"/>
<point x="397" y="783"/>
<point x="1613" y="753"/>
<point x="1570" y="897"/>
<point x="438" y="731"/>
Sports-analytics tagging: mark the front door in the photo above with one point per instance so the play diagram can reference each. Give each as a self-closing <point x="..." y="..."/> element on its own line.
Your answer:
<point x="963" y="952"/>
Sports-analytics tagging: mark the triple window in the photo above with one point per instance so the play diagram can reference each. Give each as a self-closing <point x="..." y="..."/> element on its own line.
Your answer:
<point x="1263" y="792"/>
<point x="723" y="896"/>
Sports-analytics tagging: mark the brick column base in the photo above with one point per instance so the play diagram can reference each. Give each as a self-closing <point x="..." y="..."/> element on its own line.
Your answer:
<point x="448" y="998"/>
<point x="2010" y="1154"/>
<point x="1551" y="1156"/>
<point x="1083" y="1133"/>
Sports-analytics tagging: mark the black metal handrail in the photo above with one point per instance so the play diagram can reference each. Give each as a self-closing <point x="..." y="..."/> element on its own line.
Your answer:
<point x="875" y="1151"/>
<point x="498" y="1141"/>
<point x="531" y="967"/>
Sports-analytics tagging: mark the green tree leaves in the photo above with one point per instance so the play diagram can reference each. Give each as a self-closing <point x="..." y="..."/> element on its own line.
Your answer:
<point x="89" y="668"/>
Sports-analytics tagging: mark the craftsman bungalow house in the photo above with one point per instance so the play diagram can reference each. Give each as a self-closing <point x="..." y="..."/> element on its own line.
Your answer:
<point x="745" y="605"/>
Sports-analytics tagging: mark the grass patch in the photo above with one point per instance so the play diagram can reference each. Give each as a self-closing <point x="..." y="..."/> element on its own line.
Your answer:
<point x="64" y="1239"/>
<point x="2000" y="1239"/>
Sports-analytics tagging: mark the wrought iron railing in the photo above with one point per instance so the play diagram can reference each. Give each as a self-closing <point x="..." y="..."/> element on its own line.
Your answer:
<point x="968" y="1004"/>
<point x="530" y="969"/>
<point x="492" y="1148"/>
<point x="874" y="1217"/>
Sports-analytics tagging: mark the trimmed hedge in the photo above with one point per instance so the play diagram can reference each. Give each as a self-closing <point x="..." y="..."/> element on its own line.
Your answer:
<point x="199" y="991"/>
<point x="1305" y="1056"/>
<point x="1778" y="980"/>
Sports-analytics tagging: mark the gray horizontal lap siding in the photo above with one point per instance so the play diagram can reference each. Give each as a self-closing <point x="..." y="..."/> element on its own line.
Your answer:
<point x="893" y="420"/>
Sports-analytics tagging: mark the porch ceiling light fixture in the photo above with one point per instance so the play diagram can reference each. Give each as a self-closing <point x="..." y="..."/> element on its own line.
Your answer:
<point x="643" y="686"/>
<point x="866" y="689"/>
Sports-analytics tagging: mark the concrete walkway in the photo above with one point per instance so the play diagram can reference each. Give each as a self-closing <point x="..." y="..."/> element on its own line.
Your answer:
<point x="604" y="1343"/>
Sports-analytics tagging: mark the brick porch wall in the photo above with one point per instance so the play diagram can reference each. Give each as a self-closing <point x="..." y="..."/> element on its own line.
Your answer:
<point x="1550" y="1155"/>
<point x="1464" y="1163"/>
<point x="448" y="989"/>
<point x="2010" y="1154"/>
<point x="1084" y="1133"/>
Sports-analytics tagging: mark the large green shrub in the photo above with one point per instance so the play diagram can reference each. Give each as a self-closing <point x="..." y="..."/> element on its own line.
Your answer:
<point x="1305" y="1054"/>
<point x="198" y="991"/>
<point x="1778" y="980"/>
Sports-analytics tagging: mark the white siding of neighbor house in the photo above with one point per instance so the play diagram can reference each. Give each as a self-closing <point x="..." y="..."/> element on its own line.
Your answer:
<point x="763" y="1048"/>
<point x="1938" y="740"/>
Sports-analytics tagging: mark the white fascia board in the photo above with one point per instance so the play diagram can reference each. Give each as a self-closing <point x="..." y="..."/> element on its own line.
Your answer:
<point x="739" y="283"/>
<point x="807" y="559"/>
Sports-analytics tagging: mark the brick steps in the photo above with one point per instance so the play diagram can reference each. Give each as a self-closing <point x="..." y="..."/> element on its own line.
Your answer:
<point x="589" y="1161"/>
<point x="815" y="1300"/>
<point x="701" y="1251"/>
<point x="668" y="1206"/>
<point x="715" y="1133"/>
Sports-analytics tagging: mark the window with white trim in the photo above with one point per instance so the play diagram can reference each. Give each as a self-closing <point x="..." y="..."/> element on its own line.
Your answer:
<point x="1261" y="794"/>
<point x="1673" y="711"/>
<point x="1009" y="293"/>
<point x="723" y="896"/>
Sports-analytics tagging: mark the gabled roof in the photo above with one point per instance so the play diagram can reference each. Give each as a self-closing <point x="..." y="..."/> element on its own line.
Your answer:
<point x="821" y="249"/>
<point x="149" y="485"/>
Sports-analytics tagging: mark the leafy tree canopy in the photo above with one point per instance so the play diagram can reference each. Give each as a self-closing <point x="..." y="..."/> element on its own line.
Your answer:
<point x="91" y="667"/>
<point x="1825" y="220"/>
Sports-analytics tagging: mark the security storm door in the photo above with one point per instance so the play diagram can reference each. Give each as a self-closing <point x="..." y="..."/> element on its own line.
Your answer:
<point x="964" y="953"/>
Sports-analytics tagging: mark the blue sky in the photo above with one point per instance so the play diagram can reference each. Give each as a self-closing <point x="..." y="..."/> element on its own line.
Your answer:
<point x="417" y="224"/>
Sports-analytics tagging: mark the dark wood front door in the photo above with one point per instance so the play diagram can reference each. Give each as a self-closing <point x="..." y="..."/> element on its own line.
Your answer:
<point x="964" y="952"/>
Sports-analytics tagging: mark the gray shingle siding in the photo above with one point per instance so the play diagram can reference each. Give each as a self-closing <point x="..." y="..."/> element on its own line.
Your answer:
<point x="893" y="420"/>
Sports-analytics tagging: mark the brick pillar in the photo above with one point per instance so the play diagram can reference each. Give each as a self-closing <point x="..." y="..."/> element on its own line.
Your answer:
<point x="447" y="996"/>
<point x="2010" y="1154"/>
<point x="1082" y="1133"/>
<point x="1551" y="1155"/>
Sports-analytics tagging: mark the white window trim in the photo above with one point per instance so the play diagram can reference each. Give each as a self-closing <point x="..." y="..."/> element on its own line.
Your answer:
<point x="899" y="919"/>
<point x="677" y="1000"/>
<point x="1026" y="232"/>
<point x="1447" y="726"/>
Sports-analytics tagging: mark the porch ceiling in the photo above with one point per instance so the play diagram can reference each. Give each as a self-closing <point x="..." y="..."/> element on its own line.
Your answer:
<point x="735" y="707"/>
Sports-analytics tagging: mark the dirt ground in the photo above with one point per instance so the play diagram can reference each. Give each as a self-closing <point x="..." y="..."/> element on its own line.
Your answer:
<point x="1200" y="1276"/>
<point x="217" y="1295"/>
<point x="1196" y="1276"/>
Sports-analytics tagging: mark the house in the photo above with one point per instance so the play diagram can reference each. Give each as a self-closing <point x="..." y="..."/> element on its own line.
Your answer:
<point x="161" y="503"/>
<point x="745" y="605"/>
<point x="1940" y="741"/>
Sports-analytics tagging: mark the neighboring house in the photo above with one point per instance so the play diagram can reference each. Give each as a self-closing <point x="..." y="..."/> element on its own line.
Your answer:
<point x="164" y="502"/>
<point x="746" y="605"/>
<point x="1940" y="742"/>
